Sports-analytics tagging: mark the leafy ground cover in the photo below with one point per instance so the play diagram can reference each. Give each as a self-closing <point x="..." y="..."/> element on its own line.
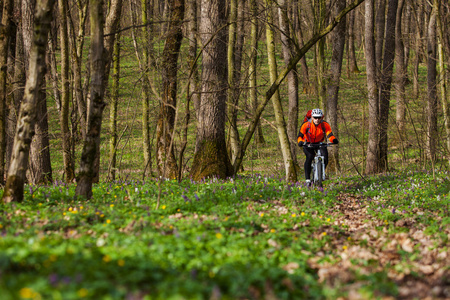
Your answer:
<point x="251" y="237"/>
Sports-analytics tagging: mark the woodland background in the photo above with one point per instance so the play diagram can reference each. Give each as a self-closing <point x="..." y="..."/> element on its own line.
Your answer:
<point x="138" y="89"/>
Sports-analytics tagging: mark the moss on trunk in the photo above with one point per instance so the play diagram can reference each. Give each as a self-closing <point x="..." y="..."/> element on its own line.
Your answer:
<point x="211" y="160"/>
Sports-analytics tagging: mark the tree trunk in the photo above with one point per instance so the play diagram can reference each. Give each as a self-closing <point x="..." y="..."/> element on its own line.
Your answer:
<point x="39" y="157"/>
<point x="145" y="67"/>
<point x="232" y="100"/>
<point x="442" y="77"/>
<point x="111" y="25"/>
<point x="372" y="88"/>
<point x="386" y="82"/>
<point x="253" y="93"/>
<point x="432" y="133"/>
<point x="380" y="20"/>
<point x="28" y="111"/>
<point x="5" y="33"/>
<point x="77" y="43"/>
<point x="304" y="67"/>
<point x="320" y="57"/>
<point x="338" y="38"/>
<point x="353" y="65"/>
<point x="292" y="79"/>
<point x="91" y="145"/>
<point x="289" y="166"/>
<point x="115" y="88"/>
<point x="165" y="155"/>
<point x="19" y="78"/>
<point x="65" y="94"/>
<point x="400" y="74"/>
<point x="417" y="49"/>
<point x="211" y="158"/>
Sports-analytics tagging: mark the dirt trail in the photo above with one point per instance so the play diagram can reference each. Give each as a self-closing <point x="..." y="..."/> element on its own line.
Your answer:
<point x="418" y="263"/>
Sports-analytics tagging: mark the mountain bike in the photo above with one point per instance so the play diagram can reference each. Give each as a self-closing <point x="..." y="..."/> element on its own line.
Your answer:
<point x="318" y="164"/>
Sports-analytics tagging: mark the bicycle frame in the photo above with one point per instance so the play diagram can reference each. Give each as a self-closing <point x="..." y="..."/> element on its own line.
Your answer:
<point x="318" y="164"/>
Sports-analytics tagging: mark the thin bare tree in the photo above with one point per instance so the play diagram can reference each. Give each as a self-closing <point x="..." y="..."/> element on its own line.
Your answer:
<point x="28" y="111"/>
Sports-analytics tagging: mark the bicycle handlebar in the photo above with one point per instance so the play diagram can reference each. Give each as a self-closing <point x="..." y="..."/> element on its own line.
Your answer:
<point x="309" y="145"/>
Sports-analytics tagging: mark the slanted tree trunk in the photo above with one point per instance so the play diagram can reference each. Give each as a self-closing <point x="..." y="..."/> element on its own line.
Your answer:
<point x="5" y="33"/>
<point x="386" y="82"/>
<point x="91" y="145"/>
<point x="338" y="38"/>
<point x="65" y="95"/>
<point x="289" y="166"/>
<point x="400" y="74"/>
<point x="432" y="134"/>
<point x="253" y="93"/>
<point x="211" y="158"/>
<point x="165" y="155"/>
<point x="28" y="111"/>
<point x="372" y="87"/>
<point x="292" y="78"/>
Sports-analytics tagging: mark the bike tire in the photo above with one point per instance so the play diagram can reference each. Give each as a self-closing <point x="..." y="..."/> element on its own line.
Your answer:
<point x="319" y="174"/>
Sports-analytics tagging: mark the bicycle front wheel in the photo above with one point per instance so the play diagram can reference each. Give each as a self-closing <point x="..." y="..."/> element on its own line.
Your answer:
<point x="319" y="178"/>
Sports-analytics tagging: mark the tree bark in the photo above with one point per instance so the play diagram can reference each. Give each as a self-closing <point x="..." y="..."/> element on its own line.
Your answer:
<point x="5" y="33"/>
<point x="386" y="82"/>
<point x="432" y="133"/>
<point x="253" y="93"/>
<point x="91" y="145"/>
<point x="442" y="77"/>
<point x="289" y="166"/>
<point x="65" y="95"/>
<point x="353" y="65"/>
<point x="77" y="43"/>
<point x="167" y="163"/>
<point x="232" y="99"/>
<point x="28" y="111"/>
<point x="372" y="87"/>
<point x="292" y="79"/>
<point x="115" y="88"/>
<point x="211" y="158"/>
<point x="400" y="74"/>
<point x="39" y="169"/>
<point x="338" y="38"/>
<point x="380" y="24"/>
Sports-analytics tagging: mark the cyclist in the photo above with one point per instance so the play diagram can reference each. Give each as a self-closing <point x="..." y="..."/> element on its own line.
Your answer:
<point x="314" y="132"/>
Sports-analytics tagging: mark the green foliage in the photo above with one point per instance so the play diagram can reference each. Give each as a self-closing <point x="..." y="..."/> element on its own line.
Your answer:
<point x="246" y="237"/>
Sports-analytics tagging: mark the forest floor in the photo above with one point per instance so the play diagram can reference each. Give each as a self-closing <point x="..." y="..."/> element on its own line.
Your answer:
<point x="251" y="237"/>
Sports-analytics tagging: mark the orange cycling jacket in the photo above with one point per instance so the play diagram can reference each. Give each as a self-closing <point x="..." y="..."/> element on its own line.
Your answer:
<point x="311" y="133"/>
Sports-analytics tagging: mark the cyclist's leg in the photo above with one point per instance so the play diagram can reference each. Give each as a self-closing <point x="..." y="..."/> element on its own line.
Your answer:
<point x="310" y="153"/>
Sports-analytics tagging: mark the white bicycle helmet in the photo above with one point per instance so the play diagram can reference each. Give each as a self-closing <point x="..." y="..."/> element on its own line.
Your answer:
<point x="317" y="112"/>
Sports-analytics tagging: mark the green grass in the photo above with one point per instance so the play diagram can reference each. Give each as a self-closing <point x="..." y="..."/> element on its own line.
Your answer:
<point x="250" y="237"/>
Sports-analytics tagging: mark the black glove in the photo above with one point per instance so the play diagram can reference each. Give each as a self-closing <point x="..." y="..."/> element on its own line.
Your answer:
<point x="300" y="144"/>
<point x="335" y="141"/>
